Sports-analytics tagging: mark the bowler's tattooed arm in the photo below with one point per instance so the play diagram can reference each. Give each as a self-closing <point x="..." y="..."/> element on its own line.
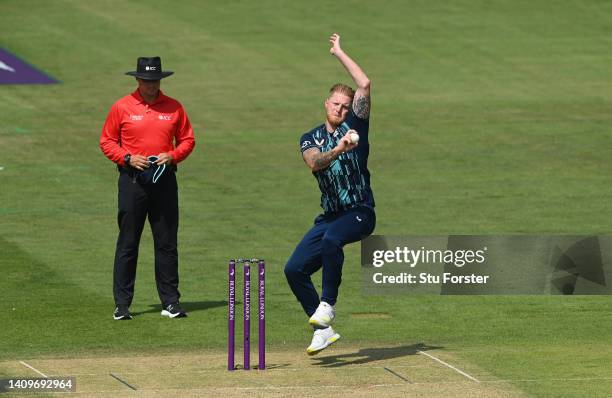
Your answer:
<point x="317" y="160"/>
<point x="361" y="101"/>
<point x="361" y="105"/>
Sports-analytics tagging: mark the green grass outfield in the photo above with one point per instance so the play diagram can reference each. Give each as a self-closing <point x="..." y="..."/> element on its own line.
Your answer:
<point x="488" y="117"/>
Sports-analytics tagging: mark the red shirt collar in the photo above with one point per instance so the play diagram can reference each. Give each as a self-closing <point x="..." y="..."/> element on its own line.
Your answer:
<point x="136" y="95"/>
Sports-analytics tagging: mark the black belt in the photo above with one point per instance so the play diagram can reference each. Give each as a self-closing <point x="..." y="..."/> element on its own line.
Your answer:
<point x="131" y="171"/>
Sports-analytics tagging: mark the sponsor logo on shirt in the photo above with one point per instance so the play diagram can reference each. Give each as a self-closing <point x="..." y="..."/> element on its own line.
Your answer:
<point x="320" y="143"/>
<point x="136" y="117"/>
<point x="165" y="117"/>
<point x="305" y="144"/>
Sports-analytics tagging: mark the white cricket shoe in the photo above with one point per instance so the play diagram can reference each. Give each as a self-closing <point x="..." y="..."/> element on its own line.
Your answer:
<point x="322" y="339"/>
<point x="323" y="316"/>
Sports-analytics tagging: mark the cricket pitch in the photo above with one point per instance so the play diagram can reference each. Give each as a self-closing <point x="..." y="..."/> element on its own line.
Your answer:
<point x="342" y="371"/>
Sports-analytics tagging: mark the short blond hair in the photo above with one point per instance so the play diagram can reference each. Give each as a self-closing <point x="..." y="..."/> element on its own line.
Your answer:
<point x="342" y="89"/>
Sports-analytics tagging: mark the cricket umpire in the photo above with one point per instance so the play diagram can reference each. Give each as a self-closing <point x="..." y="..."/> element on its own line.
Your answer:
<point x="147" y="134"/>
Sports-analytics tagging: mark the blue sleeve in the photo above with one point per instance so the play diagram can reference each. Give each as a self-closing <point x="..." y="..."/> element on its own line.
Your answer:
<point x="362" y="126"/>
<point x="307" y="141"/>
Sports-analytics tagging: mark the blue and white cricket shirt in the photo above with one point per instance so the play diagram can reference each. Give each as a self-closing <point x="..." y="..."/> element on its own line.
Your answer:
<point x="346" y="182"/>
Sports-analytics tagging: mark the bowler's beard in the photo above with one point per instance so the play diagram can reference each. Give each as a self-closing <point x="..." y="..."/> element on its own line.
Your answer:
<point x="334" y="120"/>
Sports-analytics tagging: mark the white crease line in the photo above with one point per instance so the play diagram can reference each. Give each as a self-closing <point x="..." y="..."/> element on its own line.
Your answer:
<point x="34" y="369"/>
<point x="307" y="387"/>
<point x="322" y="369"/>
<point x="209" y="388"/>
<point x="217" y="388"/>
<point x="548" y="380"/>
<point x="450" y="366"/>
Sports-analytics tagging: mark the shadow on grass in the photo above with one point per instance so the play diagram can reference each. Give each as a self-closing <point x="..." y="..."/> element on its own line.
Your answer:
<point x="189" y="306"/>
<point x="366" y="355"/>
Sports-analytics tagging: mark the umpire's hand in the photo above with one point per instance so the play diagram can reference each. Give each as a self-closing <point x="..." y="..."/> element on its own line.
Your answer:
<point x="139" y="162"/>
<point x="164" y="158"/>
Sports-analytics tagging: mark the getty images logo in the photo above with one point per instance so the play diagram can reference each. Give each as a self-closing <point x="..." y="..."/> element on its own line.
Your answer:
<point x="413" y="257"/>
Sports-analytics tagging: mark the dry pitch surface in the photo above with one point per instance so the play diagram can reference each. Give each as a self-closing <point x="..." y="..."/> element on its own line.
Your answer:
<point x="355" y="372"/>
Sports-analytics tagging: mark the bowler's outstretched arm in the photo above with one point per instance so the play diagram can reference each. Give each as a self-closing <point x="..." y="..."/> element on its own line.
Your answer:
<point x="361" y="101"/>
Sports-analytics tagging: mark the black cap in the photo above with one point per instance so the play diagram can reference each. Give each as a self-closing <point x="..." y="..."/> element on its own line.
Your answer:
<point x="149" y="68"/>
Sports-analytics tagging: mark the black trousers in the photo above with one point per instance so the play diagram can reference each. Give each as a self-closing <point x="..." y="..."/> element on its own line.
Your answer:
<point x="158" y="202"/>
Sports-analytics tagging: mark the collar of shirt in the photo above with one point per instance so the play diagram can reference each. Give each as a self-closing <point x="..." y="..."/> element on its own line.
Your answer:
<point x="139" y="100"/>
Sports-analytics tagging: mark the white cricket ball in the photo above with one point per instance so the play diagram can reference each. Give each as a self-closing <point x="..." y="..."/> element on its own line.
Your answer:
<point x="354" y="138"/>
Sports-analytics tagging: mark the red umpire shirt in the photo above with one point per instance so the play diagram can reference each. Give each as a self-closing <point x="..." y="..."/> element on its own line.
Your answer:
<point x="137" y="128"/>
